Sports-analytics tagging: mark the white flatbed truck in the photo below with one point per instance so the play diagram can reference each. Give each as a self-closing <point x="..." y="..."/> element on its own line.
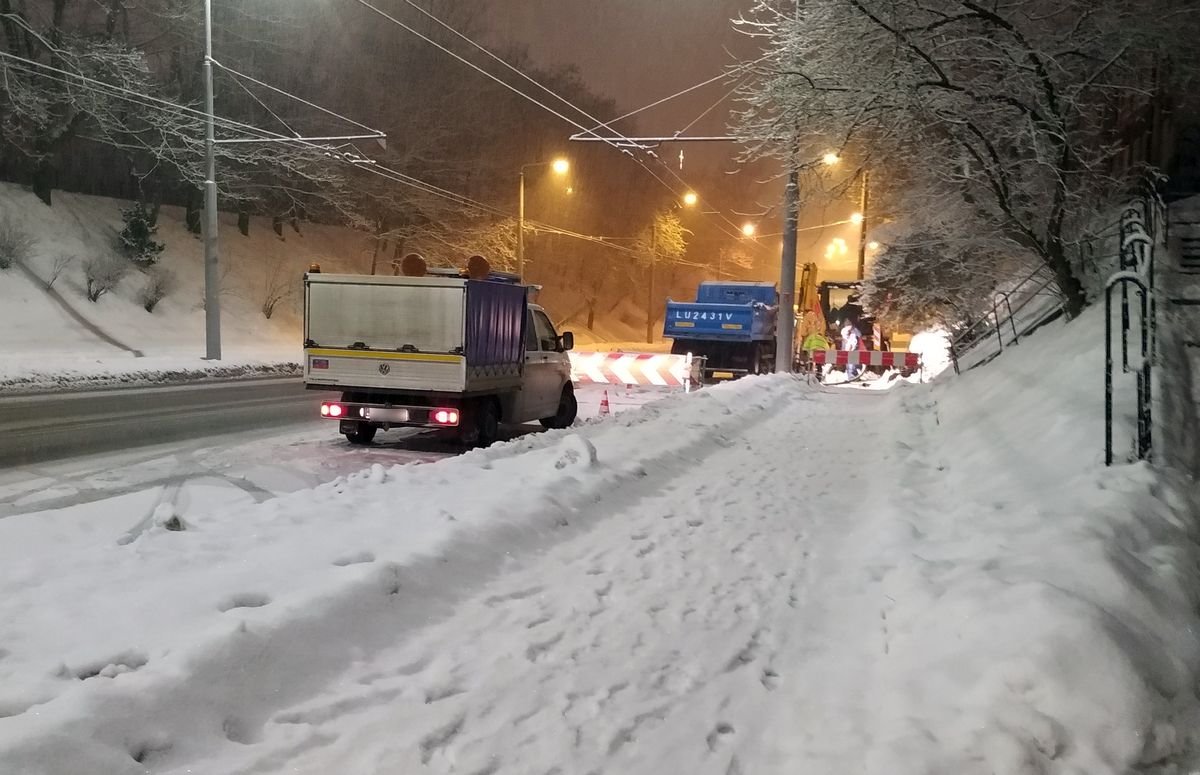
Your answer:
<point x="439" y="351"/>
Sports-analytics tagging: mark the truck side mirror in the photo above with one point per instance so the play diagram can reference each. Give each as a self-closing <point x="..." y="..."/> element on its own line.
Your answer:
<point x="566" y="342"/>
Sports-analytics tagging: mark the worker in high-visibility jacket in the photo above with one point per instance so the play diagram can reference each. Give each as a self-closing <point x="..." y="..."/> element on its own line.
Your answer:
<point x="815" y="341"/>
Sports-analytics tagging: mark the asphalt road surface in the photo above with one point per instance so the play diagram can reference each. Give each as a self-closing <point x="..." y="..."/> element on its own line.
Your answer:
<point x="52" y="426"/>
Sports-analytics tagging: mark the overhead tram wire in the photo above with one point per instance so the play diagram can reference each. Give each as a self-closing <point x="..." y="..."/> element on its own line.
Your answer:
<point x="604" y="125"/>
<point x="154" y="103"/>
<point x="295" y="97"/>
<point x="41" y="70"/>
<point x="615" y="141"/>
<point x="620" y="142"/>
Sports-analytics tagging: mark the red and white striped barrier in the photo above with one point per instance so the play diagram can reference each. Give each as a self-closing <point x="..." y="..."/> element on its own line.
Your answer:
<point x="891" y="360"/>
<point x="659" y="370"/>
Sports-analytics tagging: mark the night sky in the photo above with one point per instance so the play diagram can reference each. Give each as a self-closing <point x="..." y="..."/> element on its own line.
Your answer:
<point x="638" y="51"/>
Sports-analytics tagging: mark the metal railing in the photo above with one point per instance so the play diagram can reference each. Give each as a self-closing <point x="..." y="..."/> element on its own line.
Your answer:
<point x="1029" y="289"/>
<point x="1140" y="225"/>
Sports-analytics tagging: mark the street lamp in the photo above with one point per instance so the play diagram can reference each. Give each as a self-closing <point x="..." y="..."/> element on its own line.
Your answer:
<point x="873" y="245"/>
<point x="561" y="167"/>
<point x="856" y="218"/>
<point x="748" y="229"/>
<point x="690" y="199"/>
<point x="830" y="159"/>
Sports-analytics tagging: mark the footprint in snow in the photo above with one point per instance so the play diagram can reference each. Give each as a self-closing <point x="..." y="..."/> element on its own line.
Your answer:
<point x="354" y="559"/>
<point x="111" y="667"/>
<point x="720" y="734"/>
<point x="244" y="600"/>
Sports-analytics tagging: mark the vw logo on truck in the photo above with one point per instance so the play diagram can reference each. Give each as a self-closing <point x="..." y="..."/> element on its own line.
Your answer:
<point x="384" y="368"/>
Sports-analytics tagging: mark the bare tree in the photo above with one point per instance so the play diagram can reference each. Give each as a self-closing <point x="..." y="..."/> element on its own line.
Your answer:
<point x="62" y="262"/>
<point x="102" y="273"/>
<point x="16" y="243"/>
<point x="1004" y="105"/>
<point x="278" y="284"/>
<point x="159" y="282"/>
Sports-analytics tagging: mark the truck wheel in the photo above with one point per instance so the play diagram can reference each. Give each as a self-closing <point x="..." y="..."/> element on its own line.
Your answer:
<point x="483" y="428"/>
<point x="568" y="408"/>
<point x="364" y="435"/>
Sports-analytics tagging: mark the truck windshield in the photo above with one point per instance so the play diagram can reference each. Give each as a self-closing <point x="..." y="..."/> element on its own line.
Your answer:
<point x="385" y="317"/>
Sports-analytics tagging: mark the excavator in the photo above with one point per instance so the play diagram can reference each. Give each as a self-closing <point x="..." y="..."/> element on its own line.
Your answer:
<point x="823" y="307"/>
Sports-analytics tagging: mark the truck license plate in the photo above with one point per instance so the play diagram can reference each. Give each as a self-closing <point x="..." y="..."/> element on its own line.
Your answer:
<point x="386" y="414"/>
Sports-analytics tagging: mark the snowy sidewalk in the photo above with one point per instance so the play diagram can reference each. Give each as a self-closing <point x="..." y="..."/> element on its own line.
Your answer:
<point x="705" y="610"/>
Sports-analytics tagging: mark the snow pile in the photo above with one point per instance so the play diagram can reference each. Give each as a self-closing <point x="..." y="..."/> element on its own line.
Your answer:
<point x="73" y="373"/>
<point x="1041" y="616"/>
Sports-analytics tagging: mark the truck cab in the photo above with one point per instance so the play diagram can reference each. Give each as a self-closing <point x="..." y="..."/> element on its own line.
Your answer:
<point x="547" y="374"/>
<point x="444" y="351"/>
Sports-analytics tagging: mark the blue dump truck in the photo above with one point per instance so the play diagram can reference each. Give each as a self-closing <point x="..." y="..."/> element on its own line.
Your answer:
<point x="731" y="325"/>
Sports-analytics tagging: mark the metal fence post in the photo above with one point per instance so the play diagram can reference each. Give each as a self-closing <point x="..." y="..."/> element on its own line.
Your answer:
<point x="1145" y="434"/>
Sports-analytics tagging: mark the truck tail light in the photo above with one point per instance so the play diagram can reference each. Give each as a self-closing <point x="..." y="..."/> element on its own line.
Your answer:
<point x="332" y="410"/>
<point x="445" y="416"/>
<point x="320" y="363"/>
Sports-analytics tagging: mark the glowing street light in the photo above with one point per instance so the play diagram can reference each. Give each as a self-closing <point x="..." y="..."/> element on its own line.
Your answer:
<point x="830" y="159"/>
<point x="836" y="248"/>
<point x="856" y="218"/>
<point x="560" y="166"/>
<point x="873" y="245"/>
<point x="690" y="199"/>
<point x="748" y="229"/>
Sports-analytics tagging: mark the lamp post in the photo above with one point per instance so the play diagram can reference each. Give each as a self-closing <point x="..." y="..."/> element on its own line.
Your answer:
<point x="862" y="225"/>
<point x="690" y="199"/>
<point x="560" y="167"/>
<point x="212" y="275"/>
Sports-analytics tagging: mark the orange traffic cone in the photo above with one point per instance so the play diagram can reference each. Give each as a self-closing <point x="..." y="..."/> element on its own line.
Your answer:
<point x="604" y="404"/>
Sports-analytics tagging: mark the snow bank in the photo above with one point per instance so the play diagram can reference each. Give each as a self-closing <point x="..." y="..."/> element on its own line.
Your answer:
<point x="184" y="634"/>
<point x="43" y="341"/>
<point x="66" y="372"/>
<point x="1040" y="611"/>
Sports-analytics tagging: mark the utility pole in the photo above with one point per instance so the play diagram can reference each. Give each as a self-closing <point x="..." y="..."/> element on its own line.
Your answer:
<point x="212" y="275"/>
<point x="862" y="226"/>
<point x="786" y="324"/>
<point x="521" y="227"/>
<point x="650" y="284"/>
